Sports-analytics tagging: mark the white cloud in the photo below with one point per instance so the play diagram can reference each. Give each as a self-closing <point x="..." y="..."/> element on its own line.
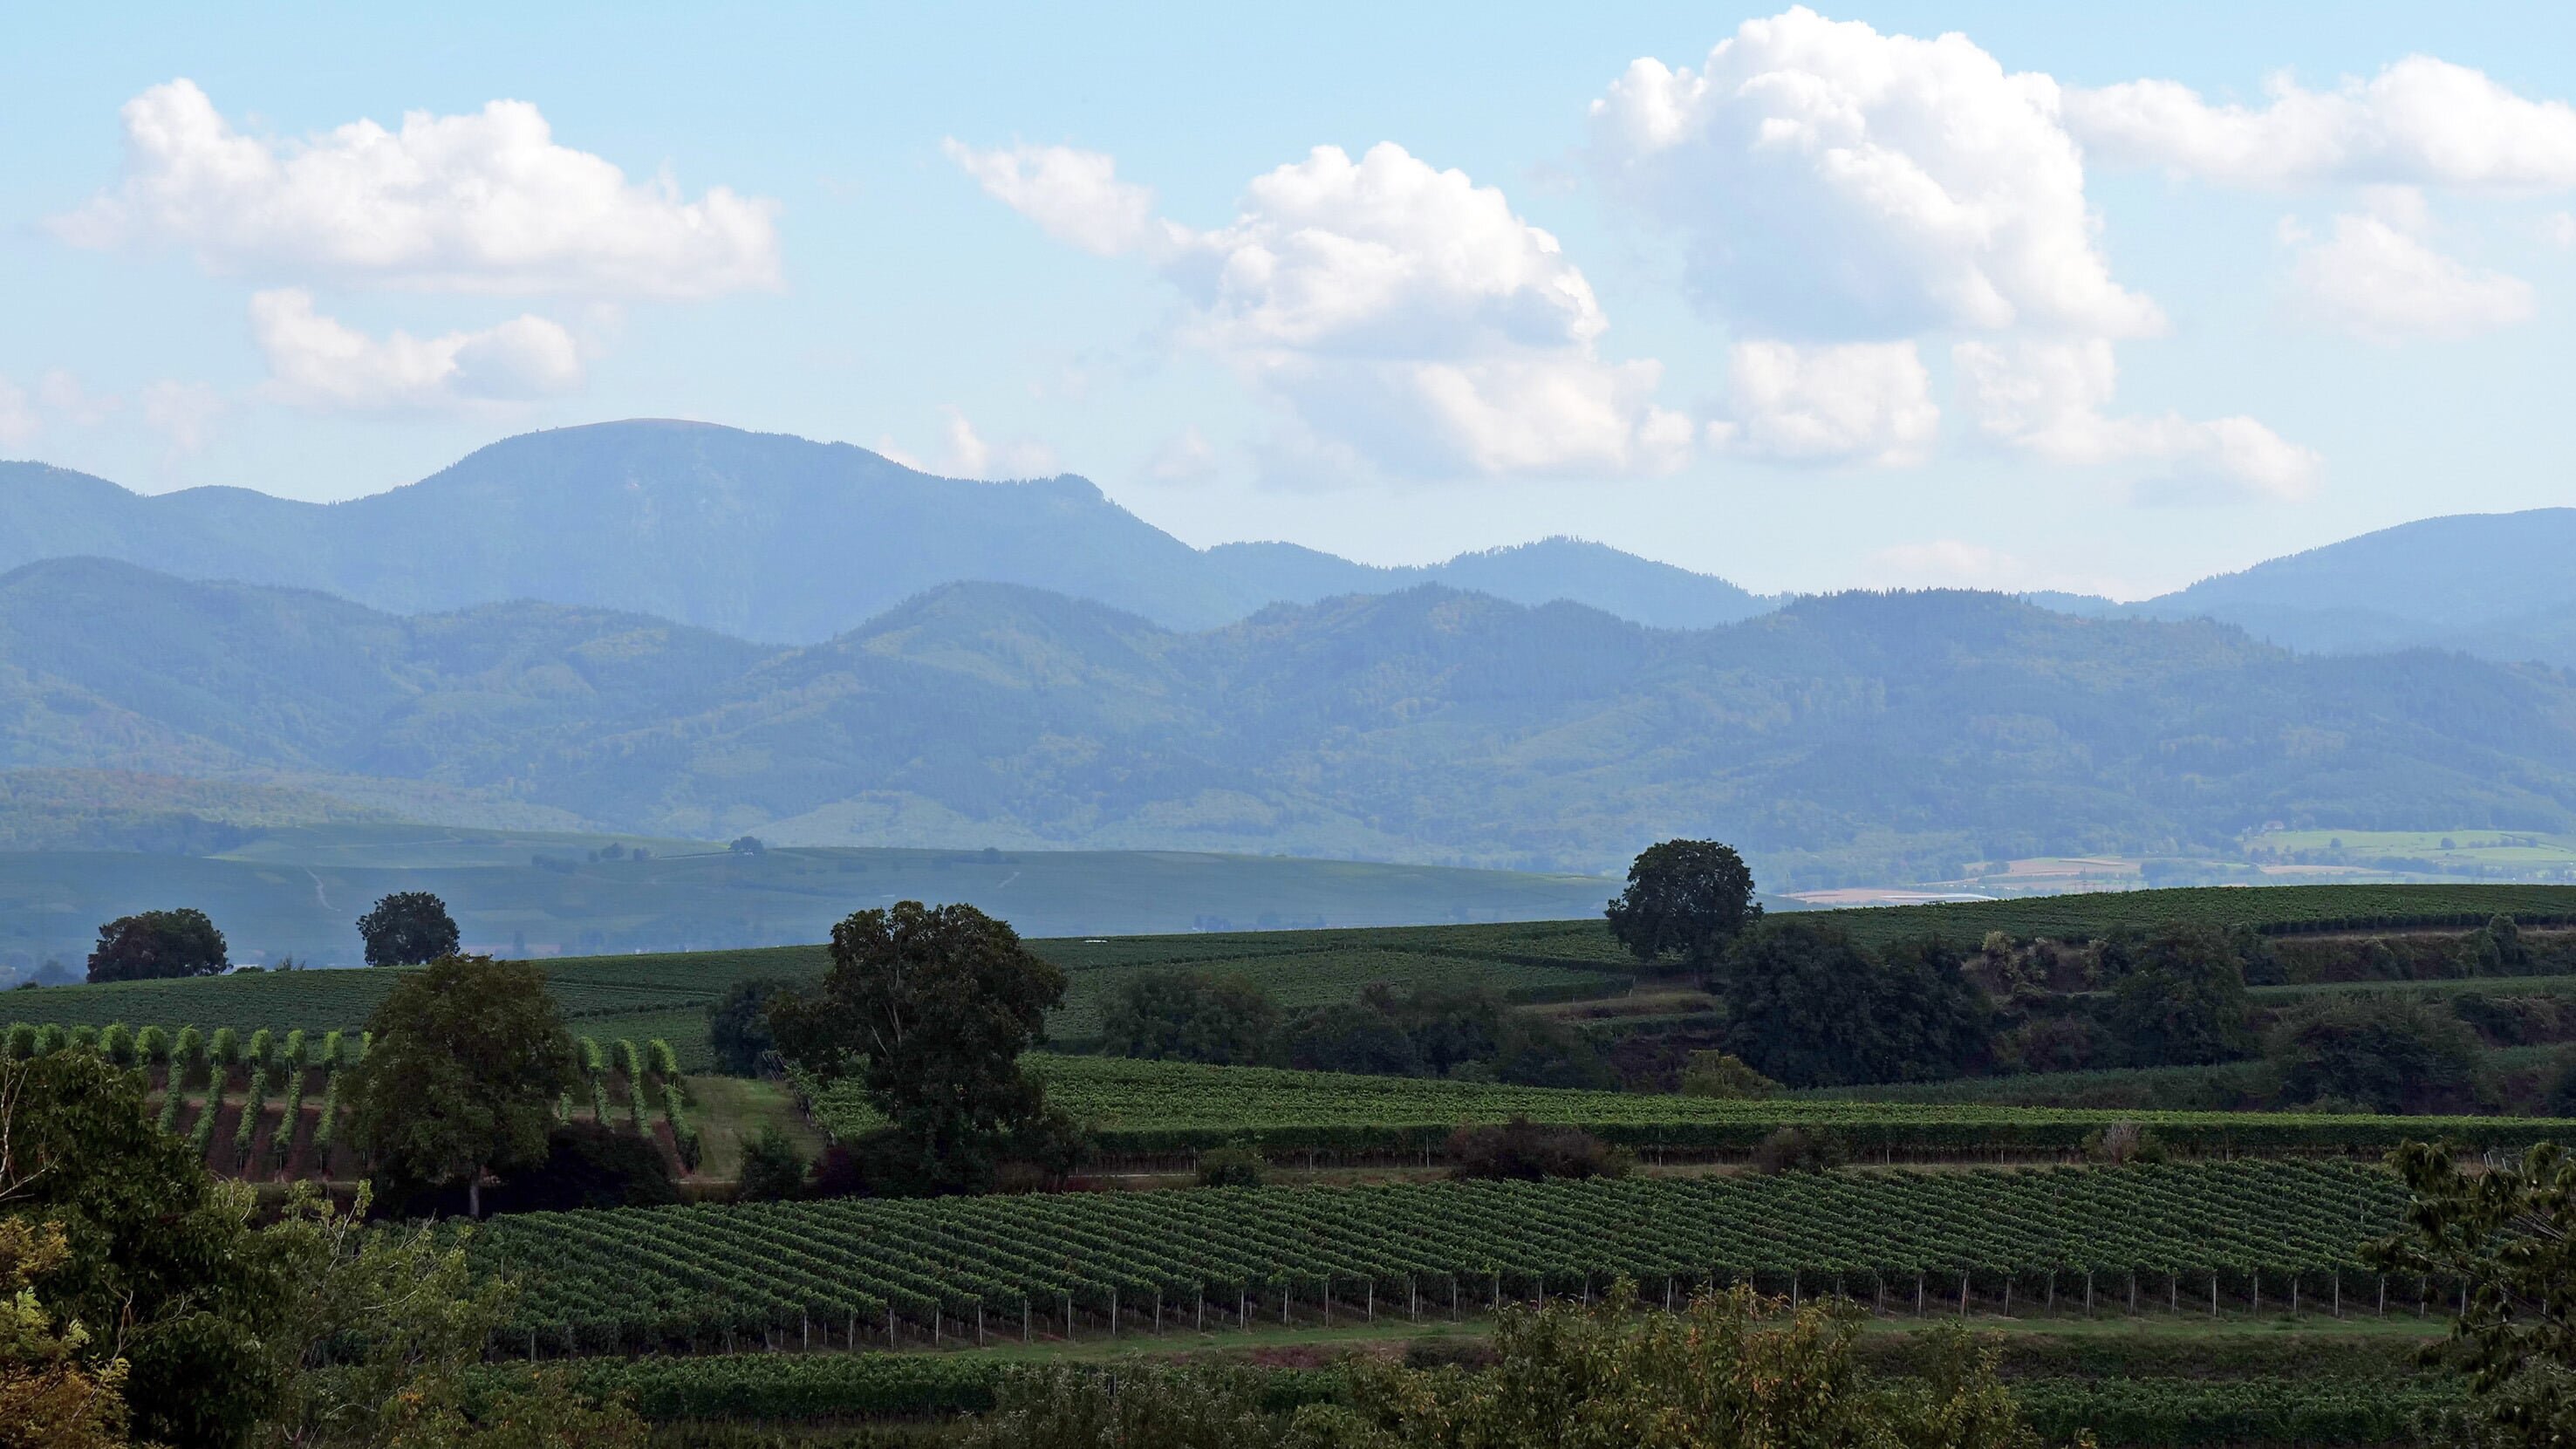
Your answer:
<point x="1074" y="195"/>
<point x="485" y="202"/>
<point x="2558" y="229"/>
<point x="2046" y="398"/>
<point x="1403" y="316"/>
<point x="965" y="454"/>
<point x="18" y="421"/>
<point x="2373" y="279"/>
<point x="1860" y="402"/>
<point x="62" y="395"/>
<point x="1185" y="458"/>
<point x="2420" y="121"/>
<point x="319" y="362"/>
<point x="181" y="412"/>
<point x="1827" y="181"/>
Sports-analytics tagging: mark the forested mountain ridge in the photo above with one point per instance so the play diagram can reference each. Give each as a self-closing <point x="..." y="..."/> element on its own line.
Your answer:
<point x="2496" y="585"/>
<point x="1843" y="736"/>
<point x="761" y="536"/>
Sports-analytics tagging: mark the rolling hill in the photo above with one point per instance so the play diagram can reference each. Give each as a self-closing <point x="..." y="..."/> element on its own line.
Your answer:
<point x="761" y="536"/>
<point x="1859" y="735"/>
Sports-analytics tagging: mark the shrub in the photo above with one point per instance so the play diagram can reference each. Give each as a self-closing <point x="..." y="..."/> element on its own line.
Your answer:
<point x="331" y="1048"/>
<point x="84" y="1038"/>
<point x="1800" y="1149"/>
<point x="22" y="1041"/>
<point x="1724" y="1075"/>
<point x="1527" y="1150"/>
<point x="152" y="1045"/>
<point x="1189" y="1016"/>
<point x="263" y="1048"/>
<point x="771" y="1169"/>
<point x="2388" y="1053"/>
<point x="49" y="1039"/>
<point x="2123" y="1142"/>
<point x="1232" y="1166"/>
<point x="665" y="1062"/>
<point x="738" y="1028"/>
<point x="116" y="1043"/>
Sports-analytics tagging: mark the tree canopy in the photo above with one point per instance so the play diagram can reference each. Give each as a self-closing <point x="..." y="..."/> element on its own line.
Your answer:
<point x="1689" y="897"/>
<point x="1190" y="1016"/>
<point x="930" y="1008"/>
<point x="1807" y="1006"/>
<point x="2177" y="998"/>
<point x="408" y="928"/>
<point x="150" y="945"/>
<point x="738" y="1027"/>
<point x="461" y="1078"/>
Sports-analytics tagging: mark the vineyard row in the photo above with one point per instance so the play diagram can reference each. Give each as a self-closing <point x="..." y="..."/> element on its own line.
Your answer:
<point x="863" y="1273"/>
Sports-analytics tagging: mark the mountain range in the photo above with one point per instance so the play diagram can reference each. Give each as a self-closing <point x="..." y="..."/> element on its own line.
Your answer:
<point x="1852" y="736"/>
<point x="761" y="536"/>
<point x="786" y="541"/>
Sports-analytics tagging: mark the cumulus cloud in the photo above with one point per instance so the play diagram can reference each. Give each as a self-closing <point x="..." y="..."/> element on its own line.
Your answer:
<point x="319" y="362"/>
<point x="485" y="202"/>
<point x="2558" y="229"/>
<point x="964" y="453"/>
<point x="1830" y="184"/>
<point x="18" y="421"/>
<point x="2378" y="281"/>
<point x="1184" y="458"/>
<point x="62" y="395"/>
<point x="1402" y="315"/>
<point x="1827" y="181"/>
<point x="1074" y="195"/>
<point x="2046" y="398"/>
<point x="1862" y="402"/>
<point x="182" y="412"/>
<point x="2420" y="121"/>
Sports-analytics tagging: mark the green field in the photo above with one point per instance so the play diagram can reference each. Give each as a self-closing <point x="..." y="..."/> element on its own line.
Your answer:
<point x="298" y="891"/>
<point x="2270" y="908"/>
<point x="2518" y="852"/>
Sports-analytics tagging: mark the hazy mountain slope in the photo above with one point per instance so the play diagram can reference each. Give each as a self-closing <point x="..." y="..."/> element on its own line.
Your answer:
<point x="1858" y="734"/>
<point x="2499" y="585"/>
<point x="761" y="536"/>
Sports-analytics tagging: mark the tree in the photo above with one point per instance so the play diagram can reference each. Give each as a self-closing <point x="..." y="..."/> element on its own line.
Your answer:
<point x="1190" y="1016"/>
<point x="1808" y="1007"/>
<point x="160" y="1257"/>
<point x="2177" y="998"/>
<point x="1686" y="896"/>
<point x="2390" y="1053"/>
<point x="738" y="1027"/>
<point x="51" y="1395"/>
<point x="2508" y="1233"/>
<point x="461" y="1074"/>
<point x="1351" y="1036"/>
<point x="930" y="1008"/>
<point x="158" y="944"/>
<point x="408" y="928"/>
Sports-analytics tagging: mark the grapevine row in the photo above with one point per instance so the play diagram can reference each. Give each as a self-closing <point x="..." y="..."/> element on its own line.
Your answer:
<point x="855" y="1272"/>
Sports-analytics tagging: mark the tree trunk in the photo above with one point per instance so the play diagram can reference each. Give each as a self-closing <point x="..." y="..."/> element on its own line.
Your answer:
<point x="474" y="1193"/>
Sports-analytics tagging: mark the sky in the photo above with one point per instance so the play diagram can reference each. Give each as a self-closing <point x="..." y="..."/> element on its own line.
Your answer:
<point x="2102" y="298"/>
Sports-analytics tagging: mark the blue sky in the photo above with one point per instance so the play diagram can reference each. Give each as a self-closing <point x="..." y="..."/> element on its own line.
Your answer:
<point x="2081" y="297"/>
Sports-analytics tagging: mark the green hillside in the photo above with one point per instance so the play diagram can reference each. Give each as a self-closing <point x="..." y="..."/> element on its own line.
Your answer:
<point x="299" y="890"/>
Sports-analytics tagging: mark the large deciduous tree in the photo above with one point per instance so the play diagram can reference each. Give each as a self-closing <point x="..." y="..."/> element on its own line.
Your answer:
<point x="160" y="1263"/>
<point x="408" y="928"/>
<point x="154" y="944"/>
<point x="1190" y="1016"/>
<point x="1685" y="897"/>
<point x="2178" y="998"/>
<point x="461" y="1077"/>
<point x="930" y="1008"/>
<point x="1807" y="1006"/>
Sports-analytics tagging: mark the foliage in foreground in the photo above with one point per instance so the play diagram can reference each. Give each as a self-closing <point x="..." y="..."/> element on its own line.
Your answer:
<point x="1733" y="1369"/>
<point x="2509" y="1232"/>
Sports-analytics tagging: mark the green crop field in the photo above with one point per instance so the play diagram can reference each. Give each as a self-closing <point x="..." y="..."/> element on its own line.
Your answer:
<point x="872" y="1273"/>
<point x="1156" y="1107"/>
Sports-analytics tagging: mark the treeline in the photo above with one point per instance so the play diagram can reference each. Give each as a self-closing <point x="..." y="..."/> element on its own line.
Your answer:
<point x="1467" y="1035"/>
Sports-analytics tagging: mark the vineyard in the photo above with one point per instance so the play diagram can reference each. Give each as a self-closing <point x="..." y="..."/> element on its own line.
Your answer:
<point x="2200" y="1238"/>
<point x="268" y="1105"/>
<point x="1144" y="1107"/>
